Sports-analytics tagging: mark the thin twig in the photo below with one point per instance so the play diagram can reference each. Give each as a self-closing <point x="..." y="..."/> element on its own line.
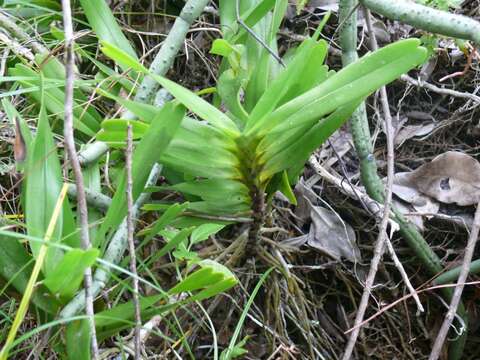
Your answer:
<point x="439" y="90"/>
<point x="457" y="294"/>
<point x="405" y="298"/>
<point x="254" y="35"/>
<point x="382" y="235"/>
<point x="77" y="170"/>
<point x="131" y="244"/>
<point x="390" y="134"/>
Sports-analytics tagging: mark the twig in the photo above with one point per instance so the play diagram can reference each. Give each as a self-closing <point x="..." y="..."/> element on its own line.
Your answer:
<point x="457" y="294"/>
<point x="254" y="35"/>
<point x="373" y="184"/>
<point x="442" y="91"/>
<point x="427" y="18"/>
<point x="131" y="244"/>
<point x="390" y="135"/>
<point x="351" y="190"/>
<point x="77" y="170"/>
<point x="160" y="65"/>
<point x="404" y="298"/>
<point x="113" y="254"/>
<point x="382" y="236"/>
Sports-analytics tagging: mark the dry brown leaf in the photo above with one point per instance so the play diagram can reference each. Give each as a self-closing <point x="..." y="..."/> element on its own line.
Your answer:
<point x="330" y="234"/>
<point x="452" y="177"/>
<point x="411" y="131"/>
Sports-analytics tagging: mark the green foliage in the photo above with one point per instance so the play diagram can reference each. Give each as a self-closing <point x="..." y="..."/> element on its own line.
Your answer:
<point x="67" y="276"/>
<point x="230" y="155"/>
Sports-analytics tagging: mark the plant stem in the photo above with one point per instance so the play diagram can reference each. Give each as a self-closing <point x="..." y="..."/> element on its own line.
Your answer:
<point x="77" y="170"/>
<point x="258" y="216"/>
<point x="113" y="254"/>
<point x="427" y="18"/>
<point x="453" y="274"/>
<point x="382" y="234"/>
<point x="368" y="168"/>
<point x="457" y="294"/>
<point x="131" y="244"/>
<point x="97" y="200"/>
<point x="170" y="48"/>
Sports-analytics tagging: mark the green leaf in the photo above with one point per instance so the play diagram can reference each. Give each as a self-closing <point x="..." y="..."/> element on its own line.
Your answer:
<point x="122" y="58"/>
<point x="298" y="152"/>
<point x="167" y="218"/>
<point x="66" y="278"/>
<point x="173" y="243"/>
<point x="203" y="232"/>
<point x="210" y="273"/>
<point x="144" y="112"/>
<point x="288" y="79"/>
<point x="199" y="106"/>
<point x="44" y="181"/>
<point x="146" y="154"/>
<point x="222" y="47"/>
<point x="355" y="81"/>
<point x="111" y="321"/>
<point x="77" y="338"/>
<point x="105" y="25"/>
<point x="16" y="266"/>
<point x="53" y="99"/>
<point x="115" y="130"/>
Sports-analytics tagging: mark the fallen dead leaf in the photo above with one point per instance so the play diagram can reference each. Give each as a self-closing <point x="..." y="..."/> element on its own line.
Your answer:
<point x="452" y="177"/>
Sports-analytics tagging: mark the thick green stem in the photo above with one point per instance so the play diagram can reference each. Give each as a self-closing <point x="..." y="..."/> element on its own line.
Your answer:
<point x="426" y="18"/>
<point x="452" y="275"/>
<point x="170" y="48"/>
<point x="368" y="168"/>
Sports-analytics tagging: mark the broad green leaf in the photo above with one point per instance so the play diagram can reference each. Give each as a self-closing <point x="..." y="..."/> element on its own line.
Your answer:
<point x="203" y="232"/>
<point x="105" y="25"/>
<point x="115" y="130"/>
<point x="355" y="81"/>
<point x="44" y="181"/>
<point x="228" y="87"/>
<point x="85" y="121"/>
<point x="111" y="321"/>
<point x="167" y="217"/>
<point x="222" y="47"/>
<point x="144" y="112"/>
<point x="16" y="266"/>
<point x="298" y="152"/>
<point x="78" y="338"/>
<point x="286" y="80"/>
<point x="210" y="272"/>
<point x="213" y="189"/>
<point x="67" y="276"/>
<point x="122" y="58"/>
<point x="173" y="243"/>
<point x="199" y="106"/>
<point x="146" y="154"/>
